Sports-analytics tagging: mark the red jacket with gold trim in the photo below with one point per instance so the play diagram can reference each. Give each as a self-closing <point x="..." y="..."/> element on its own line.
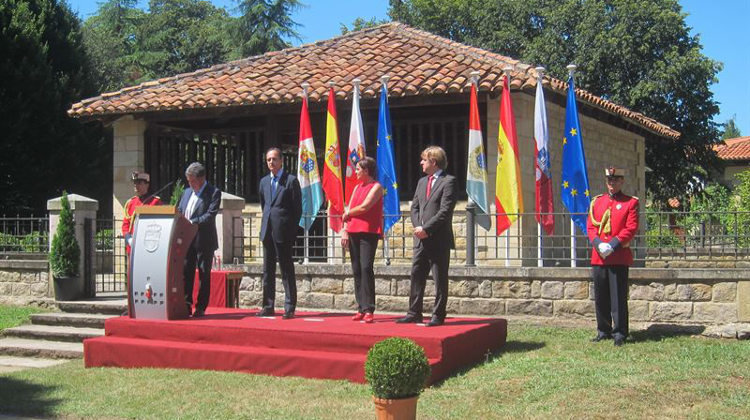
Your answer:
<point x="127" y="220"/>
<point x="613" y="219"/>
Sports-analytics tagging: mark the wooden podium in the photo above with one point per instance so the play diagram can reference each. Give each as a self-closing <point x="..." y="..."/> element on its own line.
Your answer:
<point x="161" y="238"/>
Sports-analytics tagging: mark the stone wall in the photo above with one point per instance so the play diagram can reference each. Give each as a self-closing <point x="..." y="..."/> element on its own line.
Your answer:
<point x="24" y="281"/>
<point x="658" y="296"/>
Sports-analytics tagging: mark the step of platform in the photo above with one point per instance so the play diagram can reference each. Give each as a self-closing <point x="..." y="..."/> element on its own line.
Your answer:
<point x="111" y="306"/>
<point x="12" y="346"/>
<point x="71" y="319"/>
<point x="133" y="352"/>
<point x="53" y="332"/>
<point x="15" y="363"/>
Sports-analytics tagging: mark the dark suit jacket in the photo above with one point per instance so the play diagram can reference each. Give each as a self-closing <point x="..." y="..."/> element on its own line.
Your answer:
<point x="204" y="215"/>
<point x="435" y="214"/>
<point x="282" y="212"/>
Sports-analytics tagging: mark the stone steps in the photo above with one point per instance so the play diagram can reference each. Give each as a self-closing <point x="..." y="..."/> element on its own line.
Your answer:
<point x="53" y="332"/>
<point x="15" y="363"/>
<point x="57" y="335"/>
<point x="71" y="319"/>
<point x="23" y="347"/>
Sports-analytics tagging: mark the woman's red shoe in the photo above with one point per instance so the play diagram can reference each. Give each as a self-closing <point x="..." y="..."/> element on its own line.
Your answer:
<point x="358" y="316"/>
<point x="369" y="318"/>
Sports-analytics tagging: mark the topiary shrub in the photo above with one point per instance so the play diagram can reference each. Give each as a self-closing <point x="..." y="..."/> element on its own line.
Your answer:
<point x="65" y="253"/>
<point x="396" y="368"/>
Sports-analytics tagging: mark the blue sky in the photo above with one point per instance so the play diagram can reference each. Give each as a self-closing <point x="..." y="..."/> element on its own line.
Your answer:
<point x="721" y="25"/>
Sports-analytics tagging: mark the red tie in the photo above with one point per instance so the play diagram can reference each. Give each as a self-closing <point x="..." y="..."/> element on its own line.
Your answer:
<point x="429" y="185"/>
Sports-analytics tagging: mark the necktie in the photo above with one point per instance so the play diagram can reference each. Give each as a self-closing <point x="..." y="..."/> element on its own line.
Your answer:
<point x="429" y="185"/>
<point x="273" y="186"/>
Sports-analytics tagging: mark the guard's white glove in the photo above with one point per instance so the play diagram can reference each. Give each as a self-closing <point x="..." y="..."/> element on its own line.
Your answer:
<point x="130" y="242"/>
<point x="605" y="249"/>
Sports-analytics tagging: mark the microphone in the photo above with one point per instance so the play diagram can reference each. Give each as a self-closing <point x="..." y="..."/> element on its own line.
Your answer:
<point x="160" y="190"/>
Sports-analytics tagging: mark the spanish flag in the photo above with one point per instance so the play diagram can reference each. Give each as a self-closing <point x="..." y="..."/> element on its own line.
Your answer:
<point x="332" y="183"/>
<point x="508" y="192"/>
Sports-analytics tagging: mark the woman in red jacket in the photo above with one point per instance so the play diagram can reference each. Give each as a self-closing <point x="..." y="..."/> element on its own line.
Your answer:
<point x="363" y="227"/>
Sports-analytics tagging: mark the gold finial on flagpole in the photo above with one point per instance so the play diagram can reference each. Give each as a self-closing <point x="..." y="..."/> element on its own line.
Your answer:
<point x="571" y="69"/>
<point x="539" y="72"/>
<point x="305" y="86"/>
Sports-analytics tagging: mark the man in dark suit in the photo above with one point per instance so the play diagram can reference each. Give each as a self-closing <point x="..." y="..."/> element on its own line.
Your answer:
<point x="432" y="217"/>
<point x="281" y="201"/>
<point x="200" y="204"/>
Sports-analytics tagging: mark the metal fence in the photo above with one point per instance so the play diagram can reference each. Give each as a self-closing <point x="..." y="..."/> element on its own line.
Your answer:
<point x="24" y="235"/>
<point x="110" y="261"/>
<point x="664" y="239"/>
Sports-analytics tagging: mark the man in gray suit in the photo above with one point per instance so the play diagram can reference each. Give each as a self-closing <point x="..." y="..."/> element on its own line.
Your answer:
<point x="200" y="204"/>
<point x="281" y="201"/>
<point x="432" y="217"/>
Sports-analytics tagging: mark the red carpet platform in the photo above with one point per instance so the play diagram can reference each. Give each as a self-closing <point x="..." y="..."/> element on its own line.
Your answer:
<point x="313" y="345"/>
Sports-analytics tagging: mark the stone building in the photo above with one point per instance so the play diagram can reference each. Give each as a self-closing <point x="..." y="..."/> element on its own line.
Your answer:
<point x="229" y="114"/>
<point x="735" y="153"/>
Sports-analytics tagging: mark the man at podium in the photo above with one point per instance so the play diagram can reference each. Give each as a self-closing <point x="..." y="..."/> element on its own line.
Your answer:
<point x="200" y="204"/>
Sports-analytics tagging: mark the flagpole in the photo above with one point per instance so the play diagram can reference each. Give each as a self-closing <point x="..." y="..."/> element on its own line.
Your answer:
<point x="331" y="84"/>
<point x="573" y="263"/>
<point x="539" y="238"/>
<point x="506" y="71"/>
<point x="386" y="249"/>
<point x="306" y="237"/>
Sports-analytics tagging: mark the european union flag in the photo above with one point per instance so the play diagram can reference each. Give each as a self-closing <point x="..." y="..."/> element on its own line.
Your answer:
<point x="575" y="180"/>
<point x="386" y="165"/>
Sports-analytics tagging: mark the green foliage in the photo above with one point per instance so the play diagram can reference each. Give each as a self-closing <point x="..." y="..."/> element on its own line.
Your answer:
<point x="360" y="23"/>
<point x="396" y="368"/>
<point x="179" y="188"/>
<point x="44" y="69"/>
<point x="33" y="242"/>
<point x="637" y="53"/>
<point x="111" y="40"/>
<point x="105" y="239"/>
<point x="180" y="36"/>
<point x="65" y="253"/>
<point x="741" y="205"/>
<point x="731" y="131"/>
<point x="264" y="25"/>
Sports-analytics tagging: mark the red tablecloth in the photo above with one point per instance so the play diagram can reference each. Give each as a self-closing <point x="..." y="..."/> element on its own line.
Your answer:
<point x="220" y="281"/>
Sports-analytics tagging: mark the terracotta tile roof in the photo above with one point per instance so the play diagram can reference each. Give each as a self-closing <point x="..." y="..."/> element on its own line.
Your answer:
<point x="418" y="62"/>
<point x="734" y="149"/>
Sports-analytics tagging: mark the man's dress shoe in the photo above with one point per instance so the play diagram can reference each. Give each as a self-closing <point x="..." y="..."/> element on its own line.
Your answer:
<point x="410" y="319"/>
<point x="288" y="315"/>
<point x="435" y="321"/>
<point x="600" y="337"/>
<point x="265" y="312"/>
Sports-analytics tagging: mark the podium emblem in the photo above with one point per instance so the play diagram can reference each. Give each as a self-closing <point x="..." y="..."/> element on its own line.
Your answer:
<point x="151" y="238"/>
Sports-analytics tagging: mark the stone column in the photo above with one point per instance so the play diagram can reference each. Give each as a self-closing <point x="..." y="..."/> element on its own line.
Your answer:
<point x="229" y="221"/>
<point x="83" y="208"/>
<point x="128" y="155"/>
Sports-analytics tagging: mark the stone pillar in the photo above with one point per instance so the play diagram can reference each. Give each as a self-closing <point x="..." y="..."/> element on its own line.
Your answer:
<point x="743" y="300"/>
<point x="229" y="221"/>
<point x="83" y="208"/>
<point x="128" y="155"/>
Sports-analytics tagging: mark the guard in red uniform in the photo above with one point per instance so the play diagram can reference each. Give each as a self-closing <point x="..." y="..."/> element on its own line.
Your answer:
<point x="141" y="184"/>
<point x="612" y="224"/>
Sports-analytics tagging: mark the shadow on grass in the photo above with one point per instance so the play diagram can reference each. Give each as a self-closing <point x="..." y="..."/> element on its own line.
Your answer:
<point x="658" y="332"/>
<point x="509" y="347"/>
<point x="20" y="397"/>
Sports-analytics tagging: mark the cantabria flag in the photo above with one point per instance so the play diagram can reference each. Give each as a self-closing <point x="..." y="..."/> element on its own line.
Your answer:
<point x="307" y="171"/>
<point x="476" y="169"/>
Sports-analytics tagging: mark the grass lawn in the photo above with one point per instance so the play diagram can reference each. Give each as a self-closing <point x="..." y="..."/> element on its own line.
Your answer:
<point x="543" y="372"/>
<point x="11" y="316"/>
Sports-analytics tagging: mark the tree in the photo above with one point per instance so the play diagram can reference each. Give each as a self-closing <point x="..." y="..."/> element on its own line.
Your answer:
<point x="731" y="131"/>
<point x="264" y="25"/>
<point x="360" y="23"/>
<point x="111" y="39"/>
<point x="637" y="53"/>
<point x="44" y="70"/>
<point x="180" y="36"/>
